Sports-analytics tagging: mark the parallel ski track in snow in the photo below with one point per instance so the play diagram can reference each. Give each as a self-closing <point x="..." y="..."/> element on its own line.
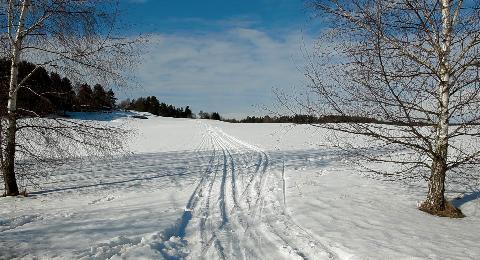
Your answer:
<point x="236" y="211"/>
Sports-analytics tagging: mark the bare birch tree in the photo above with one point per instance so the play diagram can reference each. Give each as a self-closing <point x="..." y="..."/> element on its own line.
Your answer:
<point x="414" y="66"/>
<point x="74" y="38"/>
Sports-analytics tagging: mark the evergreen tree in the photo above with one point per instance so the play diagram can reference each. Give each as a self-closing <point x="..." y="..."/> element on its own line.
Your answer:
<point x="99" y="97"/>
<point x="188" y="112"/>
<point x="216" y="116"/>
<point x="111" y="99"/>
<point x="69" y="99"/>
<point x="85" y="98"/>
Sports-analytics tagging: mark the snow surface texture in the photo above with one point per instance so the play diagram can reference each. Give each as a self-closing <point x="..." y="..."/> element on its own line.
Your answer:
<point x="200" y="189"/>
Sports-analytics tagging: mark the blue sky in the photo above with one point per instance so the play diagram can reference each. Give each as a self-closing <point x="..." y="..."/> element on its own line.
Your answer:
<point x="216" y="55"/>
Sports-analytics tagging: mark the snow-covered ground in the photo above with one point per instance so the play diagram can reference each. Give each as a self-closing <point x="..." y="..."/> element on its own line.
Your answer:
<point x="201" y="189"/>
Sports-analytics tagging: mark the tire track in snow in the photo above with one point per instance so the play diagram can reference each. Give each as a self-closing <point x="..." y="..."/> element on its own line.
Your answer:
<point x="219" y="237"/>
<point x="285" y="231"/>
<point x="223" y="236"/>
<point x="256" y="190"/>
<point x="205" y="211"/>
<point x="234" y="211"/>
<point x="173" y="237"/>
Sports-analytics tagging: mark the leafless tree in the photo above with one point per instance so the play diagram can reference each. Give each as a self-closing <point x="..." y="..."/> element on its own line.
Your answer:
<point x="76" y="39"/>
<point x="413" y="65"/>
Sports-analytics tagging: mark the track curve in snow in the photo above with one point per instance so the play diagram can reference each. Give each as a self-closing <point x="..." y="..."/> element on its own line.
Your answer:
<point x="238" y="211"/>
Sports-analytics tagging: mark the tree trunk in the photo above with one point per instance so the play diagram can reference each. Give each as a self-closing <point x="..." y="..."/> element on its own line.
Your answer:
<point x="11" y="187"/>
<point x="2" y="151"/>
<point x="436" y="203"/>
<point x="436" y="187"/>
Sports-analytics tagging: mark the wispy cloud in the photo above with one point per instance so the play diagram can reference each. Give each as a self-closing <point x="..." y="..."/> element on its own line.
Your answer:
<point x="228" y="72"/>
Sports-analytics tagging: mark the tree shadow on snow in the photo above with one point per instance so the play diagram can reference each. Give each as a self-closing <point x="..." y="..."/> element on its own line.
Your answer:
<point x="466" y="198"/>
<point x="101" y="116"/>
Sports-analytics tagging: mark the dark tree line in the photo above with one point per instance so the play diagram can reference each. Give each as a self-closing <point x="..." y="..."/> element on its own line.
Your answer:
<point x="152" y="105"/>
<point x="95" y="99"/>
<point x="305" y="119"/>
<point x="212" y="116"/>
<point x="47" y="93"/>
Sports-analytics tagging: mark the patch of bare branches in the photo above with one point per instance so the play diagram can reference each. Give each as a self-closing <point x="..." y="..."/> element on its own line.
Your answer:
<point x="78" y="39"/>
<point x="413" y="65"/>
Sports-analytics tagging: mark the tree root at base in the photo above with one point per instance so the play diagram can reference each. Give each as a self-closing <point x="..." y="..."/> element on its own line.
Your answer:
<point x="449" y="210"/>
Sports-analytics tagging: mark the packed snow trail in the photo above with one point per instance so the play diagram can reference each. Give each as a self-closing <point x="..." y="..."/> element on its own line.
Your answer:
<point x="237" y="210"/>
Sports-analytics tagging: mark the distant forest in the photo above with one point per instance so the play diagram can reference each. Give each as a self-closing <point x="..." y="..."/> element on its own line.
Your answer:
<point x="58" y="95"/>
<point x="304" y="119"/>
<point x="47" y="93"/>
<point x="152" y="105"/>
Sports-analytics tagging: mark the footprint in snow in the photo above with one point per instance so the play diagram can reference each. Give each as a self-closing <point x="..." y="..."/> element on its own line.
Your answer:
<point x="110" y="198"/>
<point x="9" y="224"/>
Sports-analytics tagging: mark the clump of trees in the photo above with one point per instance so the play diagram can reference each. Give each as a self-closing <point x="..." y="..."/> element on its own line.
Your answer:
<point x="212" y="116"/>
<point x="55" y="91"/>
<point x="96" y="99"/>
<point x="47" y="93"/>
<point x="152" y="105"/>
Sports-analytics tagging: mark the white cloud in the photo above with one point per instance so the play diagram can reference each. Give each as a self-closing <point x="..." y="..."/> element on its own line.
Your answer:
<point x="227" y="72"/>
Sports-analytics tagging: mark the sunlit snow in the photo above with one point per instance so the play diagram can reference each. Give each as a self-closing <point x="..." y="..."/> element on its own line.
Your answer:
<point x="205" y="189"/>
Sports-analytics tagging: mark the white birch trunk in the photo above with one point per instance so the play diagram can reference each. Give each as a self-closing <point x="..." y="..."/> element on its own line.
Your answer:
<point x="436" y="187"/>
<point x="9" y="167"/>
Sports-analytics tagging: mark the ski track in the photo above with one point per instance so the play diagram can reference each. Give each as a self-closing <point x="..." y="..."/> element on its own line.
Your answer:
<point x="237" y="210"/>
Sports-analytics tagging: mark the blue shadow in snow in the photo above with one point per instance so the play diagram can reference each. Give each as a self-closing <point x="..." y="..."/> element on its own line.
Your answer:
<point x="100" y="116"/>
<point x="466" y="198"/>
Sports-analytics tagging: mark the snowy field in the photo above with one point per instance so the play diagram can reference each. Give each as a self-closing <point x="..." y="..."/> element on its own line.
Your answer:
<point x="200" y="189"/>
